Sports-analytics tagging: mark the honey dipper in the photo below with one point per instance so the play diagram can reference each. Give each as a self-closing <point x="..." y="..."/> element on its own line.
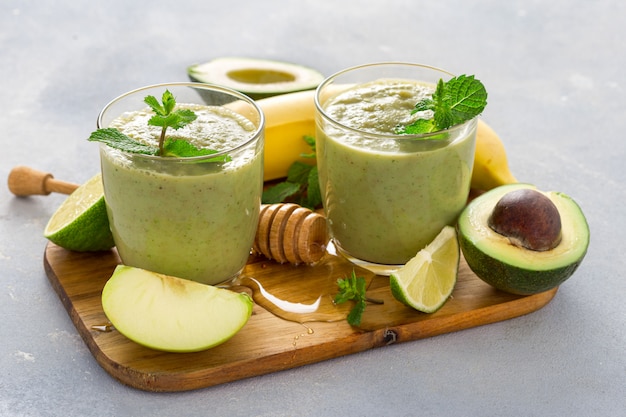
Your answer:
<point x="291" y="233"/>
<point x="286" y="232"/>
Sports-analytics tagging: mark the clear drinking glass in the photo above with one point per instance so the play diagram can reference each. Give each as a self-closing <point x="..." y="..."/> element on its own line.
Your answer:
<point x="196" y="217"/>
<point x="386" y="196"/>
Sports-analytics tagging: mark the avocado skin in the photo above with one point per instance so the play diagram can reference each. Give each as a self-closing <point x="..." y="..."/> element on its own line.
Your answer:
<point x="510" y="278"/>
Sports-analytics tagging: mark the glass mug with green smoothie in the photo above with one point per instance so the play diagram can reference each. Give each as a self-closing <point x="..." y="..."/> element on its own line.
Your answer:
<point x="192" y="217"/>
<point x="387" y="195"/>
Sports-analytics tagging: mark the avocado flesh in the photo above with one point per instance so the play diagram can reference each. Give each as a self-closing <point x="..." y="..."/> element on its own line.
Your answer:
<point x="257" y="78"/>
<point x="516" y="269"/>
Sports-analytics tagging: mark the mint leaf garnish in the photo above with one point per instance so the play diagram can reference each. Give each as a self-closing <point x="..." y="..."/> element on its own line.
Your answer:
<point x="314" y="194"/>
<point x="154" y="104"/>
<point x="280" y="192"/>
<point x="352" y="288"/>
<point x="418" y="127"/>
<point x="180" y="148"/>
<point x="454" y="102"/>
<point x="301" y="186"/>
<point x="298" y="172"/>
<point x="116" y="139"/>
<point x="310" y="140"/>
<point x="176" y="120"/>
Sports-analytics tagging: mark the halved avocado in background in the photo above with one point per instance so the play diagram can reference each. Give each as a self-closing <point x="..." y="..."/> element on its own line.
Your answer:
<point x="500" y="262"/>
<point x="257" y="78"/>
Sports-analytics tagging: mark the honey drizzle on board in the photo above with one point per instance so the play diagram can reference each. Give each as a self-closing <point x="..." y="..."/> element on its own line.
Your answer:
<point x="311" y="300"/>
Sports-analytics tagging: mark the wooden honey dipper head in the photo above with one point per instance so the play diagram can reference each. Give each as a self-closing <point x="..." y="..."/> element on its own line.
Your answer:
<point x="24" y="181"/>
<point x="290" y="233"/>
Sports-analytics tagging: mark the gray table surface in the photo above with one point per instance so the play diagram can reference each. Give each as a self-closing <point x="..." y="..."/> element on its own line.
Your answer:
<point x="554" y="71"/>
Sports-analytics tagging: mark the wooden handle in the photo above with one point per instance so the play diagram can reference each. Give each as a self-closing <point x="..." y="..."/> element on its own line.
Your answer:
<point x="291" y="233"/>
<point x="24" y="181"/>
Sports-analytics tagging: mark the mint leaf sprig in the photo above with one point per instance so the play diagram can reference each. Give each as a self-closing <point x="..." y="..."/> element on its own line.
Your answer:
<point x="166" y="116"/>
<point x="353" y="288"/>
<point x="454" y="102"/>
<point x="300" y="186"/>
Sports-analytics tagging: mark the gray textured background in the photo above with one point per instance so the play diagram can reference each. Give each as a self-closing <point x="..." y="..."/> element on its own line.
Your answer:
<point x="554" y="72"/>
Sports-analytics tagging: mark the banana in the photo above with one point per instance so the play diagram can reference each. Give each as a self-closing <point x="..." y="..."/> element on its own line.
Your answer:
<point x="289" y="117"/>
<point x="491" y="166"/>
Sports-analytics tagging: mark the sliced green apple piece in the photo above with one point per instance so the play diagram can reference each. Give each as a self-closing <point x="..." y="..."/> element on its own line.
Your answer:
<point x="172" y="314"/>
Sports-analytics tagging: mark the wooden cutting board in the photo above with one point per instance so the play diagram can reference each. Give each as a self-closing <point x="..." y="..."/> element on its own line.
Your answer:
<point x="268" y="343"/>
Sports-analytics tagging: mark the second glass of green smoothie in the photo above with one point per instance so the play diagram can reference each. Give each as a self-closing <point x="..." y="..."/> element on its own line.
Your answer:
<point x="194" y="217"/>
<point x="387" y="196"/>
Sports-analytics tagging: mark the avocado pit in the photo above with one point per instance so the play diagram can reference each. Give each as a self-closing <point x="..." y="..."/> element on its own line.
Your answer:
<point x="528" y="218"/>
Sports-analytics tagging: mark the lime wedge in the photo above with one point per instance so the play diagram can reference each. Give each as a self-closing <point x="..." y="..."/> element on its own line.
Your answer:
<point x="81" y="223"/>
<point x="427" y="280"/>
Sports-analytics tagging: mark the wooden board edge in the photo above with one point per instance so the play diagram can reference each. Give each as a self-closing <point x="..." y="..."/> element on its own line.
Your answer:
<point x="485" y="315"/>
<point x="185" y="381"/>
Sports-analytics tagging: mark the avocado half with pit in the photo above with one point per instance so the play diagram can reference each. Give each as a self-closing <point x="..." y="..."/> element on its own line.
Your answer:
<point x="257" y="78"/>
<point x="533" y="250"/>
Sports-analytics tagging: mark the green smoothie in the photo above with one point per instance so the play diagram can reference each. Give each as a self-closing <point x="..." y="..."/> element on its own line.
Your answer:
<point x="387" y="196"/>
<point x="193" y="219"/>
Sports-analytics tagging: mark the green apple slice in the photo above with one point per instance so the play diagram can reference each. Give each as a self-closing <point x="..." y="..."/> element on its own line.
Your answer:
<point x="172" y="314"/>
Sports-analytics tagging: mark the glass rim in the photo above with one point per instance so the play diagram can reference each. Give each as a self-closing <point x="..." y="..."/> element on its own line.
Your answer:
<point x="399" y="137"/>
<point x="258" y="133"/>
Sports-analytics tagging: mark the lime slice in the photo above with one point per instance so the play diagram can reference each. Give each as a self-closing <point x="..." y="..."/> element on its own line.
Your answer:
<point x="427" y="280"/>
<point x="81" y="223"/>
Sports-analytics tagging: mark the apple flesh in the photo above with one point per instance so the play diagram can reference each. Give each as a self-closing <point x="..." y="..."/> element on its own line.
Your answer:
<point x="172" y="314"/>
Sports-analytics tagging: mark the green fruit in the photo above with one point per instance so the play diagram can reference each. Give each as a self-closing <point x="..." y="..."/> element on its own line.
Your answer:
<point x="504" y="262"/>
<point x="427" y="280"/>
<point x="81" y="223"/>
<point x="257" y="78"/>
<point x="172" y="314"/>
